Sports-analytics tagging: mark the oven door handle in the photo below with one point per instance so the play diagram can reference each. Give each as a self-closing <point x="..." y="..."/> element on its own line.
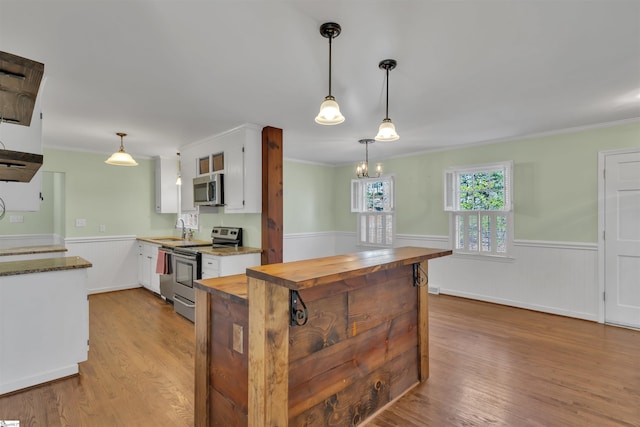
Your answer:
<point x="185" y="257"/>
<point x="180" y="299"/>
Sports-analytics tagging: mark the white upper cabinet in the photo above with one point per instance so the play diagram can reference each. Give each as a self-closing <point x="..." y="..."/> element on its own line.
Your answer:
<point x="243" y="171"/>
<point x="240" y="151"/>
<point x="23" y="196"/>
<point x="166" y="188"/>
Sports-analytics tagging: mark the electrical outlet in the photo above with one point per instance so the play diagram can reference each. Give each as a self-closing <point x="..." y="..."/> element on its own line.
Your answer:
<point x="16" y="218"/>
<point x="102" y="228"/>
<point x="81" y="222"/>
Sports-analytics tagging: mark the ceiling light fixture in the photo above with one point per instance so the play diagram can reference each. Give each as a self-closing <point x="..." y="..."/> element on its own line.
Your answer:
<point x="362" y="170"/>
<point x="120" y="157"/>
<point x="329" y="109"/>
<point x="387" y="131"/>
<point x="179" y="179"/>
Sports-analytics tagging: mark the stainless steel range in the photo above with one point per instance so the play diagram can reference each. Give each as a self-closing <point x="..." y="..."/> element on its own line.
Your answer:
<point x="223" y="237"/>
<point x="187" y="268"/>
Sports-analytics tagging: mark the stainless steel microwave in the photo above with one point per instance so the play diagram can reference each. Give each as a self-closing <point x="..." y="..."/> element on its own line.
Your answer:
<point x="208" y="190"/>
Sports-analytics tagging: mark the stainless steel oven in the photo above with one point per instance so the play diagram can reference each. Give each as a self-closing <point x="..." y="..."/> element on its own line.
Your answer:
<point x="186" y="269"/>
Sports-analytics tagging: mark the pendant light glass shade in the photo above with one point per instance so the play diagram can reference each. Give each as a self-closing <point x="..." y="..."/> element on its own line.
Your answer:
<point x="387" y="130"/>
<point x="329" y="112"/>
<point x="329" y="109"/>
<point x="120" y="157"/>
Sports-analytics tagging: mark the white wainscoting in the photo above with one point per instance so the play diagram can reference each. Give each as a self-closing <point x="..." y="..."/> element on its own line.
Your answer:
<point x="114" y="259"/>
<point x="552" y="277"/>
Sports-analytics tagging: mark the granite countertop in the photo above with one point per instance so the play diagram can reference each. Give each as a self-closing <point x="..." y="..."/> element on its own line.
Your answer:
<point x="240" y="250"/>
<point x="42" y="265"/>
<point x="204" y="247"/>
<point x="174" y="242"/>
<point x="27" y="250"/>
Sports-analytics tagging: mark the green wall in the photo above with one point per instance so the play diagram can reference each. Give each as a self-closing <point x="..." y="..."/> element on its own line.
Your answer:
<point x="555" y="184"/>
<point x="120" y="198"/>
<point x="309" y="197"/>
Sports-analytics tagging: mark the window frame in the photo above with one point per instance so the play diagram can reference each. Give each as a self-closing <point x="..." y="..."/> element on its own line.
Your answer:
<point x="451" y="199"/>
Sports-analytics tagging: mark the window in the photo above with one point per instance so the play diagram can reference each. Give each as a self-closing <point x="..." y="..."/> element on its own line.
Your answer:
<point x="479" y="199"/>
<point x="373" y="200"/>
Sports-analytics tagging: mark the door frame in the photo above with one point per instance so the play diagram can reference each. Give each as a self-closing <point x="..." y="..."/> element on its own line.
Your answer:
<point x="602" y="155"/>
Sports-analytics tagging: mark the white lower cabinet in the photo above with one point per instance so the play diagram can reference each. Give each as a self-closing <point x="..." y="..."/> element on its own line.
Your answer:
<point x="218" y="266"/>
<point x="147" y="261"/>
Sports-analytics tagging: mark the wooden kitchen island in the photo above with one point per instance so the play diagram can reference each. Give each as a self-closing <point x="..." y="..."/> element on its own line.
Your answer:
<point x="327" y="341"/>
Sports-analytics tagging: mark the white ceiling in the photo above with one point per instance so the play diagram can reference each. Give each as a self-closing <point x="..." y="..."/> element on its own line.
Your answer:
<point x="469" y="71"/>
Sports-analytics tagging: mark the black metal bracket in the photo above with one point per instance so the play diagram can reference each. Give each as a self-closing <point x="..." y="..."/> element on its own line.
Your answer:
<point x="299" y="313"/>
<point x="419" y="280"/>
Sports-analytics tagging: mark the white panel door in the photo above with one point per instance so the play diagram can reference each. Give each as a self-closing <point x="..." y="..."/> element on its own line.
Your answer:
<point x="622" y="239"/>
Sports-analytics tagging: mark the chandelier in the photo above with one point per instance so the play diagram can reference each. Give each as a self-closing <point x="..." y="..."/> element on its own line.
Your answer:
<point x="362" y="170"/>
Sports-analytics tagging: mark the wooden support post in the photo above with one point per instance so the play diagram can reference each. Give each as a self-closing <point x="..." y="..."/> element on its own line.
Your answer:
<point x="202" y="357"/>
<point x="268" y="354"/>
<point x="423" y="324"/>
<point x="272" y="199"/>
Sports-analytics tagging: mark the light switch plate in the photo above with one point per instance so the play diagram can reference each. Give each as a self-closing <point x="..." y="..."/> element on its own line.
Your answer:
<point x="81" y="222"/>
<point x="238" y="332"/>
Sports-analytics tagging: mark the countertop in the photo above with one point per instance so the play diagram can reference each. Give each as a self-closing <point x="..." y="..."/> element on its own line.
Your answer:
<point x="27" y="250"/>
<point x="320" y="271"/>
<point x="203" y="246"/>
<point x="42" y="265"/>
<point x="174" y="242"/>
<point x="231" y="287"/>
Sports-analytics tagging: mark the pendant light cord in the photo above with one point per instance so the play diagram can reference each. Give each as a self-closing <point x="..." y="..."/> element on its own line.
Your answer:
<point x="330" y="38"/>
<point x="387" y="112"/>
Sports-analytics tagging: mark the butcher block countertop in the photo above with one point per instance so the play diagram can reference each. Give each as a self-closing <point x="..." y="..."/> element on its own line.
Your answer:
<point x="42" y="265"/>
<point x="230" y="287"/>
<point x="315" y="272"/>
<point x="28" y="250"/>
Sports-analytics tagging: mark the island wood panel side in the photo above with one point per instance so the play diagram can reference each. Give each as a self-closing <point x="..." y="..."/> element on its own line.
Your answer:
<point x="387" y="310"/>
<point x="268" y="354"/>
<point x="328" y="310"/>
<point x="365" y="398"/>
<point x="202" y="360"/>
<point x="423" y="322"/>
<point x="228" y="369"/>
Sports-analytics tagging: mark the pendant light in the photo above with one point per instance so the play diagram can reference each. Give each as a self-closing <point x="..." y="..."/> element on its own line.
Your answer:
<point x="179" y="179"/>
<point x="329" y="109"/>
<point x="120" y="157"/>
<point x="387" y="131"/>
<point x="362" y="170"/>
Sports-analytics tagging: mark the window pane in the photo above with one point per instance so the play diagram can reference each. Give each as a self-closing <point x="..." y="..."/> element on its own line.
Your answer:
<point x="378" y="195"/>
<point x="472" y="233"/>
<point x="459" y="232"/>
<point x="389" y="230"/>
<point x="501" y="233"/>
<point x="482" y="191"/>
<point x="485" y="236"/>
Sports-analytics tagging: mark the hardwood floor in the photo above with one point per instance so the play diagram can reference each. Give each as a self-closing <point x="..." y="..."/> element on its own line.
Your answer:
<point x="490" y="365"/>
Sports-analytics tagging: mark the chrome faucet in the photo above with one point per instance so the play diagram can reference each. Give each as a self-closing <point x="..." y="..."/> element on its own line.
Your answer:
<point x="184" y="230"/>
